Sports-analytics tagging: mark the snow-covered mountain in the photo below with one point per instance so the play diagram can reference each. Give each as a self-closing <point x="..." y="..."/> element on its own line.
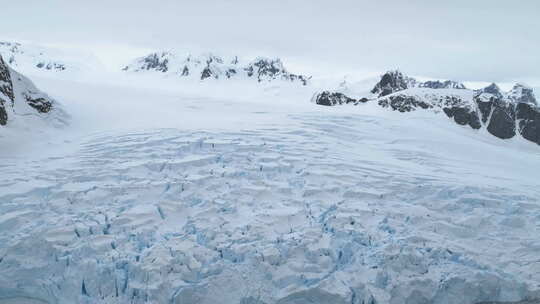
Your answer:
<point x="204" y="199"/>
<point x="226" y="192"/>
<point x="503" y="114"/>
<point x="209" y="66"/>
<point x="394" y="81"/>
<point x="22" y="103"/>
<point x="32" y="59"/>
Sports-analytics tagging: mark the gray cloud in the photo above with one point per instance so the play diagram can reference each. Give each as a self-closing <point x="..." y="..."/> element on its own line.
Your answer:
<point x="469" y="40"/>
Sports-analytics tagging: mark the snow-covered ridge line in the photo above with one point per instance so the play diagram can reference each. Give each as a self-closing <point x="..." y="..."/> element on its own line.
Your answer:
<point x="393" y="81"/>
<point x="503" y="114"/>
<point x="209" y="66"/>
<point x="30" y="58"/>
<point x="16" y="55"/>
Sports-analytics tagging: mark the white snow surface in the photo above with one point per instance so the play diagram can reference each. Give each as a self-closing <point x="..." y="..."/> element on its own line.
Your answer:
<point x="168" y="191"/>
<point x="32" y="59"/>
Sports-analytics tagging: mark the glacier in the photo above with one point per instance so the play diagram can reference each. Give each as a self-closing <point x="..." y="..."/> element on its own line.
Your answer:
<point x="163" y="191"/>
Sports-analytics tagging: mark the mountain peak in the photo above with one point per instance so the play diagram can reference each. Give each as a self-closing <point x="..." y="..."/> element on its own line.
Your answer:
<point x="392" y="81"/>
<point x="208" y="65"/>
<point x="521" y="93"/>
<point x="155" y="61"/>
<point x="493" y="89"/>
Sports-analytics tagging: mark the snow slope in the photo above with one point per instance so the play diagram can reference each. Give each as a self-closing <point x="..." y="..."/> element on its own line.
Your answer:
<point x="228" y="193"/>
<point x="25" y="111"/>
<point x="42" y="60"/>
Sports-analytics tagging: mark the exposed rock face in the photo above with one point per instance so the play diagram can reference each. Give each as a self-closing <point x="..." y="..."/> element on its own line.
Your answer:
<point x="51" y="66"/>
<point x="214" y="67"/>
<point x="6" y="90"/>
<point x="16" y="91"/>
<point x="502" y="122"/>
<point x="463" y="116"/>
<point x="266" y="68"/>
<point x="155" y="61"/>
<point x="453" y="106"/>
<point x="41" y="104"/>
<point x="327" y="98"/>
<point x="503" y="114"/>
<point x="206" y="73"/>
<point x="528" y="121"/>
<point x="403" y="103"/>
<point x="393" y="81"/>
<point x="6" y="86"/>
<point x="520" y="93"/>
<point x="270" y="69"/>
<point x="448" y="84"/>
<point x="3" y="113"/>
<point x="498" y="111"/>
<point x="492" y="89"/>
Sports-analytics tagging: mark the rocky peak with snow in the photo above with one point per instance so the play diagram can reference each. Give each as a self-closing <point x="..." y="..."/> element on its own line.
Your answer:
<point x="327" y="98"/>
<point x="392" y="81"/>
<point x="504" y="114"/>
<point x="522" y="93"/>
<point x="21" y="100"/>
<point x="6" y="88"/>
<point x="210" y="66"/>
<point x="491" y="91"/>
<point x="155" y="61"/>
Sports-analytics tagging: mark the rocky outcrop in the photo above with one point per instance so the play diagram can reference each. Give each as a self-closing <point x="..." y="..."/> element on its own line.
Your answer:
<point x="491" y="90"/>
<point x="18" y="95"/>
<point x="503" y="114"/>
<point x="395" y="81"/>
<point x="403" y="103"/>
<point x="51" y="66"/>
<point x="528" y="121"/>
<point x="521" y="93"/>
<point x="41" y="104"/>
<point x="463" y="116"/>
<point x="6" y="91"/>
<point x="209" y="66"/>
<point x="391" y="82"/>
<point x="25" y="57"/>
<point x="448" y="84"/>
<point x="155" y="61"/>
<point x="509" y="114"/>
<point x="270" y="69"/>
<point x="502" y="122"/>
<point x="327" y="98"/>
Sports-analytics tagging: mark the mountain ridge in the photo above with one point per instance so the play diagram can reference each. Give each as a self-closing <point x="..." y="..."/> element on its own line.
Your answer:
<point x="503" y="114"/>
<point x="210" y="66"/>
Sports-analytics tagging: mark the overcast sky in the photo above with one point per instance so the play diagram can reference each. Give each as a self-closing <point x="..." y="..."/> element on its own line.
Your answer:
<point x="464" y="40"/>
